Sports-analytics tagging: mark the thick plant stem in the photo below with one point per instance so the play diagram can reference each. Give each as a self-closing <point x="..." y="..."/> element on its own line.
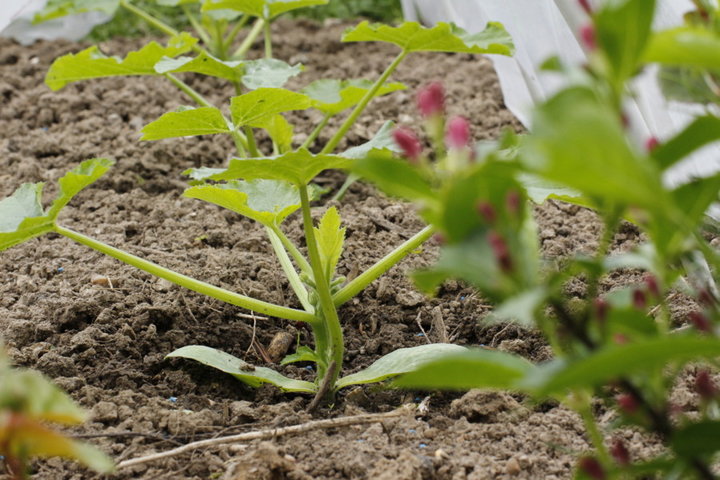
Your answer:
<point x="335" y="349"/>
<point x="202" y="33"/>
<point x="251" y="145"/>
<point x="294" y="252"/>
<point x="360" y="107"/>
<point x="230" y="37"/>
<point x="257" y="27"/>
<point x="188" y="282"/>
<point x="268" y="39"/>
<point x="381" y="266"/>
<point x="289" y="269"/>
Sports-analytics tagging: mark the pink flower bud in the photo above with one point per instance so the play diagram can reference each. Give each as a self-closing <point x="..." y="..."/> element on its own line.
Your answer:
<point x="700" y="322"/>
<point x="601" y="309"/>
<point x="639" y="299"/>
<point x="431" y="100"/>
<point x="620" y="453"/>
<point x="652" y="285"/>
<point x="585" y="4"/>
<point x="502" y="253"/>
<point x="458" y="133"/>
<point x="651" y="144"/>
<point x="706" y="298"/>
<point x="512" y="202"/>
<point x="487" y="212"/>
<point x="620" y="339"/>
<point x="592" y="468"/>
<point x="587" y="35"/>
<point x="704" y="385"/>
<point x="440" y="239"/>
<point x="408" y="143"/>
<point x="627" y="403"/>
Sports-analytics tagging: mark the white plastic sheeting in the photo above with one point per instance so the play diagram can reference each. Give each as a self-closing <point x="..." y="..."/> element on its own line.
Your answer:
<point x="16" y="22"/>
<point x="542" y="28"/>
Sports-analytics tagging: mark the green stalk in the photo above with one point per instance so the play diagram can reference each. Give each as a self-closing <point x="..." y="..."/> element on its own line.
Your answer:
<point x="218" y="40"/>
<point x="314" y="134"/>
<point x="202" y="33"/>
<point x="189" y="282"/>
<point x="268" y="39"/>
<point x="155" y="22"/>
<point x="383" y="265"/>
<point x="247" y="43"/>
<point x="581" y="403"/>
<point x="334" y="351"/>
<point x="294" y="252"/>
<point x="360" y="107"/>
<point x="230" y="37"/>
<point x="289" y="269"/>
<point x="252" y="146"/>
<point x="188" y="90"/>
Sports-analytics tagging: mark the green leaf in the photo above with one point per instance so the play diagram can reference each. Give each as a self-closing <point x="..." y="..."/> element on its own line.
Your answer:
<point x="330" y="237"/>
<point x="243" y="371"/>
<point x="394" y="176"/>
<point x="302" y="354"/>
<point x="694" y="198"/>
<point x="254" y="108"/>
<point x="702" y="131"/>
<point x="268" y="73"/>
<point x="194" y="121"/>
<point x="204" y="63"/>
<point x="696" y="439"/>
<point x="298" y="167"/>
<point x="615" y="361"/>
<point x="61" y="8"/>
<point x="279" y="129"/>
<point x="268" y="202"/>
<point x="443" y="37"/>
<point x="539" y="190"/>
<point x="383" y="140"/>
<point x="175" y="3"/>
<point x="689" y="46"/>
<point x="688" y="84"/>
<point x="472" y="368"/>
<point x="91" y="63"/>
<point x="332" y="96"/>
<point x="579" y="142"/>
<point x="622" y="30"/>
<point x="21" y="214"/>
<point x="403" y="360"/>
<point x="522" y="308"/>
<point x="261" y="8"/>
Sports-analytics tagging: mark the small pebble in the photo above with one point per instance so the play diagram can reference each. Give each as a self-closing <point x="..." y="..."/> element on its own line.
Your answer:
<point x="441" y="454"/>
<point x="101" y="281"/>
<point x="512" y="467"/>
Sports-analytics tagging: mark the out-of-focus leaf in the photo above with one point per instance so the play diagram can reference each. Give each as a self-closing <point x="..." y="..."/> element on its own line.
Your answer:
<point x="204" y="63"/>
<point x="695" y="439"/>
<point x="243" y="371"/>
<point x="688" y="46"/>
<point x="471" y="368"/>
<point x="261" y="8"/>
<point x="36" y="397"/>
<point x="298" y="167"/>
<point x="443" y="37"/>
<point x="539" y="190"/>
<point x="394" y="176"/>
<point x="688" y="84"/>
<point x="268" y="73"/>
<point x="332" y="96"/>
<point x="256" y="107"/>
<point x="403" y="360"/>
<point x="185" y="123"/>
<point x="522" y="308"/>
<point x="330" y="237"/>
<point x="91" y="63"/>
<point x="268" y="202"/>
<point x="60" y="8"/>
<point x="702" y="131"/>
<point x="382" y="140"/>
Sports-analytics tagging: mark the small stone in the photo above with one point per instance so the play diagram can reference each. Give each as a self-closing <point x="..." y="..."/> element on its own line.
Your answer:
<point x="101" y="281"/>
<point x="512" y="467"/>
<point x="441" y="454"/>
<point x="279" y="346"/>
<point x="105" y="412"/>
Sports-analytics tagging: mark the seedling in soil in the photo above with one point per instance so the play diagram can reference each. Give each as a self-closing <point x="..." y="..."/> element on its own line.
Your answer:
<point x="622" y="345"/>
<point x="264" y="186"/>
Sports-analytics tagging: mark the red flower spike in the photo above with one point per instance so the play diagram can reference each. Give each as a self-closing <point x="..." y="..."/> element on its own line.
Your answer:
<point x="487" y="212"/>
<point x="627" y="403"/>
<point x="408" y="143"/>
<point x="706" y="298"/>
<point x="587" y="35"/>
<point x="651" y="144"/>
<point x="431" y="100"/>
<point x="620" y="339"/>
<point x="512" y="202"/>
<point x="440" y="239"/>
<point x="592" y="468"/>
<point x="585" y="4"/>
<point x="458" y="133"/>
<point x="639" y="299"/>
<point x="700" y="322"/>
<point x="601" y="309"/>
<point x="652" y="285"/>
<point x="620" y="453"/>
<point x="704" y="385"/>
<point x="502" y="253"/>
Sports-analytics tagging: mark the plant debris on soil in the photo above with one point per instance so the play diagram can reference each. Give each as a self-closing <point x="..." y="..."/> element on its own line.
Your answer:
<point x="101" y="329"/>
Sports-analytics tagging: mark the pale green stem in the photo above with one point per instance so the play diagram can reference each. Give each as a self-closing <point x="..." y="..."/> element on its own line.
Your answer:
<point x="252" y="146"/>
<point x="294" y="252"/>
<point x="202" y="33"/>
<point x="351" y="178"/>
<point x="240" y="142"/>
<point x="334" y="351"/>
<point x="188" y="90"/>
<point x="155" y="22"/>
<point x="358" y="284"/>
<point x="189" y="282"/>
<point x="247" y="43"/>
<point x="230" y="37"/>
<point x="360" y="107"/>
<point x="314" y="134"/>
<point x="289" y="269"/>
<point x="218" y="40"/>
<point x="268" y="39"/>
<point x="582" y="404"/>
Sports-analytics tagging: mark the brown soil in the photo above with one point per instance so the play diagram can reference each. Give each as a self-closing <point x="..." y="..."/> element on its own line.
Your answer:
<point x="100" y="329"/>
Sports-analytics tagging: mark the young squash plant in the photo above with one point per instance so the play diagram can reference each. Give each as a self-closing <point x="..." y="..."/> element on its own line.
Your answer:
<point x="622" y="346"/>
<point x="266" y="187"/>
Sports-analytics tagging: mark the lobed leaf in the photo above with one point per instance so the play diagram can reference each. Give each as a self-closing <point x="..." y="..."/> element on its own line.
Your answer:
<point x="61" y="8"/>
<point x="189" y="122"/>
<point x="332" y="96"/>
<point x="403" y="360"/>
<point x="268" y="73"/>
<point x="267" y="202"/>
<point x="261" y="8"/>
<point x="688" y="46"/>
<point x="280" y="131"/>
<point x="256" y="107"/>
<point x="383" y="140"/>
<point x="330" y="237"/>
<point x="243" y="371"/>
<point x="443" y="37"/>
<point x="471" y="368"/>
<point x="298" y="167"/>
<point x="204" y="63"/>
<point x="91" y="63"/>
